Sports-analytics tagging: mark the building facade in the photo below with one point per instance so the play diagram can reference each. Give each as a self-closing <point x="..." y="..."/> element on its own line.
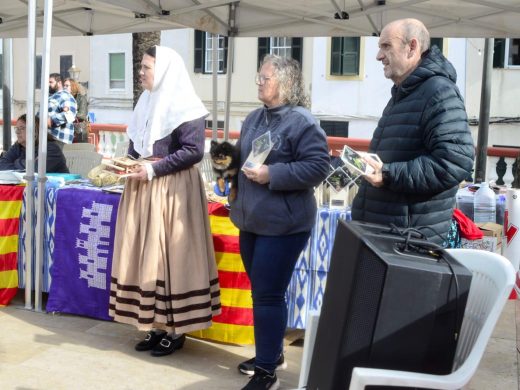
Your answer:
<point x="345" y="82"/>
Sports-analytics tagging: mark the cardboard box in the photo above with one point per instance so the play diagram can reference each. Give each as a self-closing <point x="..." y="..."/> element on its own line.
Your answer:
<point x="492" y="240"/>
<point x="485" y="243"/>
<point x="494" y="230"/>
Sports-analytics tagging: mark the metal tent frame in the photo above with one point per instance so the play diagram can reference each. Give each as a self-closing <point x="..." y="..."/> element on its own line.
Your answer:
<point x="233" y="18"/>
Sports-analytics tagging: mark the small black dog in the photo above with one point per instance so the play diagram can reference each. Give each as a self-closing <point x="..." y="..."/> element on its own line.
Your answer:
<point x="225" y="160"/>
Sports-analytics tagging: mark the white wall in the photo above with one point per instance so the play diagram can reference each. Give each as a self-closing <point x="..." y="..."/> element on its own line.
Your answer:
<point x="78" y="47"/>
<point x="110" y="105"/>
<point x="361" y="101"/>
<point x="244" y="92"/>
<point x="358" y="101"/>
<point x="505" y="90"/>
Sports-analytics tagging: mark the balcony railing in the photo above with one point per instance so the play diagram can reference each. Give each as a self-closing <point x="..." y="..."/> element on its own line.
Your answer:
<point x="500" y="164"/>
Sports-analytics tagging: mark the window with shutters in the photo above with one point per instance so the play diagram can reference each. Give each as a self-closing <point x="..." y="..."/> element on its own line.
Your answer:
<point x="116" y="70"/>
<point x="65" y="64"/>
<point x="506" y="53"/>
<point x="335" y="128"/>
<point x="203" y="61"/>
<point x="345" y="56"/>
<point x="281" y="46"/>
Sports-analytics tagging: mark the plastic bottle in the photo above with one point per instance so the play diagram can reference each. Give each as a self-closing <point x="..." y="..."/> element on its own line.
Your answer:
<point x="484" y="204"/>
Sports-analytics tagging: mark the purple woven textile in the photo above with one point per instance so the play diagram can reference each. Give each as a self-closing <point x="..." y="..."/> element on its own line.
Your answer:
<point x="83" y="248"/>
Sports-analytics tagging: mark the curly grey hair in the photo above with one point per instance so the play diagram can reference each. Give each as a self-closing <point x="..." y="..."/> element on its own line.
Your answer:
<point x="290" y="80"/>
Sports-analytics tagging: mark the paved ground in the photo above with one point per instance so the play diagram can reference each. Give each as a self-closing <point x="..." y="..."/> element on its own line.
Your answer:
<point x="40" y="351"/>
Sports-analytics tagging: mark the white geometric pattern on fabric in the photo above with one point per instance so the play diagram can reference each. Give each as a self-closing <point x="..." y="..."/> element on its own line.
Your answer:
<point x="306" y="288"/>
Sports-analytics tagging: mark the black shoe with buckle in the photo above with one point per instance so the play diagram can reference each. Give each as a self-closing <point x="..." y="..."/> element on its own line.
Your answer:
<point x="168" y="345"/>
<point x="262" y="380"/>
<point x="151" y="340"/>
<point x="248" y="367"/>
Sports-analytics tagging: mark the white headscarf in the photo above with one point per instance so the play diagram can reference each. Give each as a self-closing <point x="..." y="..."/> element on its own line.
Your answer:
<point x="171" y="102"/>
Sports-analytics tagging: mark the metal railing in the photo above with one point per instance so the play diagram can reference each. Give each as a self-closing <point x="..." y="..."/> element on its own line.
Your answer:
<point x="501" y="166"/>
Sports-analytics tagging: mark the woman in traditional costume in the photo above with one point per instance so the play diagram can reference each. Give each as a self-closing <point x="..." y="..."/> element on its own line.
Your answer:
<point x="164" y="275"/>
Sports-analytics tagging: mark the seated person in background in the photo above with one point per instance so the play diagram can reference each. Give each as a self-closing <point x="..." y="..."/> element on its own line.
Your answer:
<point x="14" y="158"/>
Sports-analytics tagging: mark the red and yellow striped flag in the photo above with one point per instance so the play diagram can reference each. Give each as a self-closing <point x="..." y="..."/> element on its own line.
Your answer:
<point x="235" y="324"/>
<point x="10" y="206"/>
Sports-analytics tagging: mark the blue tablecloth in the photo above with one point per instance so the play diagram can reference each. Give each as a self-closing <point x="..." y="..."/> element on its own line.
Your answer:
<point x="307" y="285"/>
<point x="68" y="219"/>
<point x="73" y="289"/>
<point x="48" y="239"/>
<point x="83" y="250"/>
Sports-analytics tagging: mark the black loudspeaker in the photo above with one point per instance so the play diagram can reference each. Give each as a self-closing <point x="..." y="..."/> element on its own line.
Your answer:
<point x="391" y="301"/>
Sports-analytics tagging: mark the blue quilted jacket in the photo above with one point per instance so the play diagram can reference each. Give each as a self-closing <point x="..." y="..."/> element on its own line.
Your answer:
<point x="426" y="146"/>
<point x="298" y="161"/>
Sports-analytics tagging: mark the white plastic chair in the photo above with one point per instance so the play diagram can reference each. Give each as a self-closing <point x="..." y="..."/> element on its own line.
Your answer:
<point x="79" y="146"/>
<point x="493" y="280"/>
<point x="81" y="161"/>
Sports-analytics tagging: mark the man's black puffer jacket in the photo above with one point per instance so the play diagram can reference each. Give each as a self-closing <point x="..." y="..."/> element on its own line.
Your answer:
<point x="426" y="146"/>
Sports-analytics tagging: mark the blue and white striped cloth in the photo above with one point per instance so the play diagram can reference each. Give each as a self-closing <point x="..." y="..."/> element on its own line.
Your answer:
<point x="305" y="291"/>
<point x="48" y="237"/>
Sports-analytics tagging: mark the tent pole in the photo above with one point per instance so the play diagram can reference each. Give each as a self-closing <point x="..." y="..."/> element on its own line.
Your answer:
<point x="483" y="122"/>
<point x="214" y="68"/>
<point x="230" y="61"/>
<point x="7" y="46"/>
<point x="29" y="173"/>
<point x="42" y="155"/>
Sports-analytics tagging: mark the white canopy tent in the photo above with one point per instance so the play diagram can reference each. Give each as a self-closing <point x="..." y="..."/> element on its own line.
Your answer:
<point x="443" y="18"/>
<point x="244" y="18"/>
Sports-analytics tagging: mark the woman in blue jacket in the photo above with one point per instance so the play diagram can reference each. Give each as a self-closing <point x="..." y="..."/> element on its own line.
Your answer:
<point x="275" y="207"/>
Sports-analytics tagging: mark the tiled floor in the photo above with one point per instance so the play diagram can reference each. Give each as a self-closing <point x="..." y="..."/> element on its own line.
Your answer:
<point x="40" y="351"/>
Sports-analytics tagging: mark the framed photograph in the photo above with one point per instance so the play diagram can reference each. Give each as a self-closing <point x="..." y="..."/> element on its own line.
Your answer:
<point x="355" y="161"/>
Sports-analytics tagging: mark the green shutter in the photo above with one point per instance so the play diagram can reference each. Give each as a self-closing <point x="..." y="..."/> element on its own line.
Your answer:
<point x="225" y="53"/>
<point x="499" y="53"/>
<point x="335" y="56"/>
<point x="297" y="50"/>
<point x="38" y="72"/>
<point x="263" y="49"/>
<point x="198" y="62"/>
<point x="345" y="53"/>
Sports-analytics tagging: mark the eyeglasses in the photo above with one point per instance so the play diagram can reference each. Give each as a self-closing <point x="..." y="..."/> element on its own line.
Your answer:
<point x="261" y="79"/>
<point x="19" y="130"/>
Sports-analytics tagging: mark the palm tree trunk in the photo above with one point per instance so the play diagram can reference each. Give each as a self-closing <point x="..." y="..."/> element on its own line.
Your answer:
<point x="140" y="43"/>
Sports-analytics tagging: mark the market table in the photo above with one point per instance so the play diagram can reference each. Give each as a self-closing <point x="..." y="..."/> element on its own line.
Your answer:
<point x="78" y="244"/>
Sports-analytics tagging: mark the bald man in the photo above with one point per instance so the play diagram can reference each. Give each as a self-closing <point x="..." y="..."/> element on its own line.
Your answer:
<point x="422" y="138"/>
